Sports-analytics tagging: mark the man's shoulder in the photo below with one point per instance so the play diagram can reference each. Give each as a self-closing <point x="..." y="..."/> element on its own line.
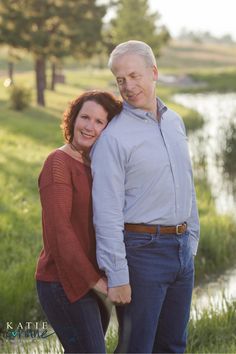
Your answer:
<point x="170" y="114"/>
<point x="174" y="119"/>
<point x="117" y="125"/>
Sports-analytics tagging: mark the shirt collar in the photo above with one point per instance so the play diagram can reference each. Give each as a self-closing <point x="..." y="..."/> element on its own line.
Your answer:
<point x="143" y="114"/>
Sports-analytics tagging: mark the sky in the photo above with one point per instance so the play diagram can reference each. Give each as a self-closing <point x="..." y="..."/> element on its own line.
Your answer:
<point x="216" y="16"/>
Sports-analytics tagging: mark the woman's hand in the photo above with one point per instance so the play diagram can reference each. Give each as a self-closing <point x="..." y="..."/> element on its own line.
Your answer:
<point x="101" y="286"/>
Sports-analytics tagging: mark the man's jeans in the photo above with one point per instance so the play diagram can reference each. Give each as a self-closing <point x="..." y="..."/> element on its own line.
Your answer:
<point x="80" y="326"/>
<point x="161" y="277"/>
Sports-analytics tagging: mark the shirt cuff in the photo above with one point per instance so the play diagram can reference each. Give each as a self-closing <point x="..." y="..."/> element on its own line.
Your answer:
<point x="193" y="244"/>
<point x="118" y="278"/>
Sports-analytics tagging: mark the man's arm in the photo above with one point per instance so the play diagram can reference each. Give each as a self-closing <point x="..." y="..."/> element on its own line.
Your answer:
<point x="193" y="224"/>
<point x="108" y="169"/>
<point x="193" y="220"/>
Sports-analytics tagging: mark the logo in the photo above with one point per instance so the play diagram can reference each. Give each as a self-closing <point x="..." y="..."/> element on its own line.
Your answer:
<point x="27" y="330"/>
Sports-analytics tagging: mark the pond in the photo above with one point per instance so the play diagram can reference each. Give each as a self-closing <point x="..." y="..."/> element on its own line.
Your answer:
<point x="213" y="150"/>
<point x="208" y="146"/>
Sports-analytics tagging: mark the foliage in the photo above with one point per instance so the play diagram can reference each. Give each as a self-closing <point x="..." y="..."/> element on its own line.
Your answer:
<point x="214" y="256"/>
<point x="212" y="332"/>
<point x="51" y="28"/>
<point x="218" y="80"/>
<point x="134" y="21"/>
<point x="229" y="150"/>
<point x="20" y="97"/>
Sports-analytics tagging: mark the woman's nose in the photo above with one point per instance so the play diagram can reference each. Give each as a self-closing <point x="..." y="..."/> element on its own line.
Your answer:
<point x="89" y="125"/>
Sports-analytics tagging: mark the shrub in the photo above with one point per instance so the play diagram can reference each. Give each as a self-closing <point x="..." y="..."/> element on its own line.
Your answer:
<point x="20" y="98"/>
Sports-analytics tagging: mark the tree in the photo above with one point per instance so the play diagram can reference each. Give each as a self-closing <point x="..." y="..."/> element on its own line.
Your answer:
<point x="50" y="29"/>
<point x="134" y="21"/>
<point x="13" y="57"/>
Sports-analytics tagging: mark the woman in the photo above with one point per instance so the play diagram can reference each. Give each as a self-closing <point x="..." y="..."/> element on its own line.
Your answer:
<point x="68" y="278"/>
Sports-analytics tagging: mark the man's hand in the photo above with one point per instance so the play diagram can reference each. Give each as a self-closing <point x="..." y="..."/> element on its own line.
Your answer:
<point x="120" y="295"/>
<point x="101" y="286"/>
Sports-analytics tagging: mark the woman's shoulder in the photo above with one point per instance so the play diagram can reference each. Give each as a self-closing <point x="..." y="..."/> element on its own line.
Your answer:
<point x="56" y="168"/>
<point x="56" y="155"/>
<point x="59" y="159"/>
<point x="60" y="167"/>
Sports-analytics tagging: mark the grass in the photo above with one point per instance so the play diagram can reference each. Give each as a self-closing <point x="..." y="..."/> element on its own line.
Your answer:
<point x="182" y="56"/>
<point x="212" y="331"/>
<point x="218" y="80"/>
<point x="217" y="246"/>
<point x="32" y="346"/>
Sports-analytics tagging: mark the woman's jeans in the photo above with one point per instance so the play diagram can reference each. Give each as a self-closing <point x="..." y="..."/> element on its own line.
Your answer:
<point x="161" y="271"/>
<point x="81" y="325"/>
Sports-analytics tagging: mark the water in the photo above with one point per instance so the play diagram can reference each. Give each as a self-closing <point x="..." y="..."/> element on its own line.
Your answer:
<point x="213" y="293"/>
<point x="218" y="111"/>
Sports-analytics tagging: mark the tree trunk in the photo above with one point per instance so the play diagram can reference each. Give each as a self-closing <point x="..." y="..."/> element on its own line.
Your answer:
<point x="10" y="71"/>
<point x="40" y="80"/>
<point x="53" y="78"/>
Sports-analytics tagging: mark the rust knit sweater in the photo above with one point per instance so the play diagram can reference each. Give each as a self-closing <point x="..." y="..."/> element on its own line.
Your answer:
<point x="68" y="255"/>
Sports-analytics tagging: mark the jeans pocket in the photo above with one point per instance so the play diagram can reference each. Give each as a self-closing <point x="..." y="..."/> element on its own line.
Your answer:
<point x="135" y="240"/>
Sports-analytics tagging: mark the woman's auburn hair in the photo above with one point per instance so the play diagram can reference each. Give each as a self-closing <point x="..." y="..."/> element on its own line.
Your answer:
<point x="110" y="103"/>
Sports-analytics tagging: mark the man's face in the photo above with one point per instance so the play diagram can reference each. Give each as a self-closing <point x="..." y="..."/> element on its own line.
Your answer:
<point x="136" y="81"/>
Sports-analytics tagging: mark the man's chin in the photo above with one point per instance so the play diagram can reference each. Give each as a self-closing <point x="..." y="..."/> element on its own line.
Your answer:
<point x="134" y="102"/>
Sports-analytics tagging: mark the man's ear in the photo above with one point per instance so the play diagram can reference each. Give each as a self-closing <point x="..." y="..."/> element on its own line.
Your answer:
<point x="155" y="73"/>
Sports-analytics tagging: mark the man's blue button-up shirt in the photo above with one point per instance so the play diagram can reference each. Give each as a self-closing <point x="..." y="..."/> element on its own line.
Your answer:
<point x="141" y="174"/>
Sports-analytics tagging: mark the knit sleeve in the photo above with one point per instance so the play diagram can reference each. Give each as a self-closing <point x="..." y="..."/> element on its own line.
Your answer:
<point x="56" y="193"/>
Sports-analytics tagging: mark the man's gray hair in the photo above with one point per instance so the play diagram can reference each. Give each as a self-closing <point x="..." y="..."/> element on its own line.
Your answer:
<point x="133" y="47"/>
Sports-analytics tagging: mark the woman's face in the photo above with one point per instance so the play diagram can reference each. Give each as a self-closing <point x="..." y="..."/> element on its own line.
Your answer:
<point x="89" y="123"/>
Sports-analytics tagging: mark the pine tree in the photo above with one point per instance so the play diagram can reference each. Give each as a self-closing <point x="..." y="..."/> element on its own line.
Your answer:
<point x="135" y="21"/>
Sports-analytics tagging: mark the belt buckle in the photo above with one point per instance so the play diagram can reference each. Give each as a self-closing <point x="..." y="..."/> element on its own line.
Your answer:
<point x="176" y="229"/>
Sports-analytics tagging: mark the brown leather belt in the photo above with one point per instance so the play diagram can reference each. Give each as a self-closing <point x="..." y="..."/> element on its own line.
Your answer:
<point x="153" y="229"/>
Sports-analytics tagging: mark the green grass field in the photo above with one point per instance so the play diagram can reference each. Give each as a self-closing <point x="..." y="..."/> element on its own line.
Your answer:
<point x="183" y="55"/>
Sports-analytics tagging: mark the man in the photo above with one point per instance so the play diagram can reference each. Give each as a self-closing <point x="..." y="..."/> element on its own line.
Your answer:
<point x="145" y="212"/>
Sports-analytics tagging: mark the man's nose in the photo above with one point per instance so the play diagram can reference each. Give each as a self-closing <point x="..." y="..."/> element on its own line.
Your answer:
<point x="129" y="85"/>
